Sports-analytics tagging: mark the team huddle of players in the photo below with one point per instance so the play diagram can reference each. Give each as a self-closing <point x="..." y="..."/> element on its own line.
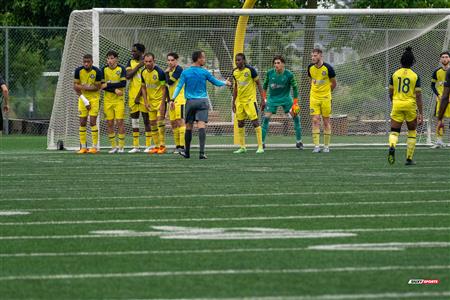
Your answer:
<point x="151" y="91"/>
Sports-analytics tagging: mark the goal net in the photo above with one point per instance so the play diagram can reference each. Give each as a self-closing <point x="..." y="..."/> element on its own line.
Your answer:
<point x="363" y="46"/>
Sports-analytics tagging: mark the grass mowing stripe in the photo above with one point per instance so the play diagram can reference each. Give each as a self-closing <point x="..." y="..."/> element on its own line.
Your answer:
<point x="409" y="191"/>
<point x="92" y="236"/>
<point x="231" y="206"/>
<point x="220" y="272"/>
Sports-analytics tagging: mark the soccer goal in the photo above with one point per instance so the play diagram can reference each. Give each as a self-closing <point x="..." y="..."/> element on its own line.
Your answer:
<point x="363" y="46"/>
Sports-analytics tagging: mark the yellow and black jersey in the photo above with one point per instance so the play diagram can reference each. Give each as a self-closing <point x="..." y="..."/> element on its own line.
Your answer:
<point x="438" y="80"/>
<point x="88" y="77"/>
<point x="404" y="83"/>
<point x="246" y="84"/>
<point x="135" y="82"/>
<point x="172" y="81"/>
<point x="321" y="81"/>
<point x="154" y="81"/>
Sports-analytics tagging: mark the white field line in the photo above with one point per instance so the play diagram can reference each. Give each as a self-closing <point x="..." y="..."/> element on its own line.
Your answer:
<point x="219" y="272"/>
<point x="390" y="295"/>
<point x="233" y="195"/>
<point x="92" y="236"/>
<point x="391" y="246"/>
<point x="13" y="213"/>
<point x="271" y="205"/>
<point x="380" y="246"/>
<point x="299" y="217"/>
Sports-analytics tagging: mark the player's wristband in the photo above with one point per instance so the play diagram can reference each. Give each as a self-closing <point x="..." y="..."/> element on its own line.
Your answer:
<point x="85" y="100"/>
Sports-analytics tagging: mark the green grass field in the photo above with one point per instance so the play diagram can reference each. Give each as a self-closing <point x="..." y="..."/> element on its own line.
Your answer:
<point x="282" y="225"/>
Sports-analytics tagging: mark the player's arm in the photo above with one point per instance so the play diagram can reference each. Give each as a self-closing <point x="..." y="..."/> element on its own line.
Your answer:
<point x="391" y="88"/>
<point x="5" y="93"/>
<point x="444" y="103"/>
<point x="171" y="79"/>
<point x="235" y="92"/>
<point x="132" y="71"/>
<point x="179" y="87"/>
<point x="77" y="83"/>
<point x="295" y="106"/>
<point x="332" y="76"/>
<point x="264" y="92"/>
<point x="433" y="83"/>
<point x="216" y="81"/>
<point x="418" y="91"/>
<point x="144" y="94"/>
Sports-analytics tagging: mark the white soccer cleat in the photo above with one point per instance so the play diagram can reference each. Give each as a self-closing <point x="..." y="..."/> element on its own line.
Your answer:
<point x="113" y="150"/>
<point x="438" y="145"/>
<point x="121" y="150"/>
<point x="316" y="149"/>
<point x="147" y="150"/>
<point x="134" y="150"/>
<point x="326" y="150"/>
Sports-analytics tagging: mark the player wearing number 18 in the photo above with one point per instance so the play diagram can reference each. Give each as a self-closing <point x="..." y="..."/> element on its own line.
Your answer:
<point x="406" y="96"/>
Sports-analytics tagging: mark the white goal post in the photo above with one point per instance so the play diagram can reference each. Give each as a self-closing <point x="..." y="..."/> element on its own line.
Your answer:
<point x="363" y="45"/>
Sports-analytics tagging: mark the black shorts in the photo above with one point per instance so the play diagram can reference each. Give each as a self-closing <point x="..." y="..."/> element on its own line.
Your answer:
<point x="197" y="110"/>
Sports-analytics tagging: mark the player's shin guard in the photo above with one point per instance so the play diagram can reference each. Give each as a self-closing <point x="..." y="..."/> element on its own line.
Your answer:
<point x="162" y="132"/>
<point x="188" y="139"/>
<point x="241" y="132"/>
<point x="148" y="138"/>
<point x="155" y="135"/>
<point x="265" y="128"/>
<point x="112" y="139"/>
<point x="202" y="139"/>
<point x="83" y="136"/>
<point x="259" y="136"/>
<point x="182" y="131"/>
<point x="411" y="144"/>
<point x="121" y="140"/>
<point x="94" y="135"/>
<point x="393" y="138"/>
<point x="297" y="128"/>
<point x="326" y="137"/>
<point x="316" y="136"/>
<point x="176" y="136"/>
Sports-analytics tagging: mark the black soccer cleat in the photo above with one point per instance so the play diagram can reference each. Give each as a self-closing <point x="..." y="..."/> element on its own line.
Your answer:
<point x="264" y="146"/>
<point x="391" y="155"/>
<point x="410" y="162"/>
<point x="299" y="145"/>
<point x="184" y="154"/>
<point x="202" y="156"/>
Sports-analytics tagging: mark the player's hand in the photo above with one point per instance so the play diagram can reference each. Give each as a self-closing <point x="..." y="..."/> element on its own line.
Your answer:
<point x="147" y="106"/>
<point x="263" y="104"/>
<point x="168" y="69"/>
<point x="295" y="107"/>
<point x="118" y="92"/>
<point x="77" y="88"/>
<point x="6" y="108"/>
<point x="172" y="105"/>
<point x="419" y="119"/>
<point x="228" y="82"/>
<point x="234" y="108"/>
<point x="141" y="64"/>
<point x="88" y="107"/>
<point x="137" y="100"/>
<point x="103" y="86"/>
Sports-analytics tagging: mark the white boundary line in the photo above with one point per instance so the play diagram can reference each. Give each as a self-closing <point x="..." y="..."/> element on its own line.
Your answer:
<point x="115" y="208"/>
<point x="299" y="217"/>
<point x="92" y="236"/>
<point x="219" y="272"/>
<point x="232" y="195"/>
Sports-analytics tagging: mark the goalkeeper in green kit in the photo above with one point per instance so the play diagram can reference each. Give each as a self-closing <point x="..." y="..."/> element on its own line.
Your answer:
<point x="278" y="82"/>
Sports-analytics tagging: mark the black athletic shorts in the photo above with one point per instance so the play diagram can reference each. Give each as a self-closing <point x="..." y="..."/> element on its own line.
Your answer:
<point x="197" y="110"/>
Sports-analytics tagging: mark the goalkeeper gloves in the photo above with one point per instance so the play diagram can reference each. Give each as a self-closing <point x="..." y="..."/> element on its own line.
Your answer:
<point x="295" y="107"/>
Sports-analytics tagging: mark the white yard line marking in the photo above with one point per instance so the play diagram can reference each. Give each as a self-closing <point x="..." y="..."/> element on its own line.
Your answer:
<point x="220" y="272"/>
<point x="393" y="246"/>
<point x="233" y="195"/>
<point x="13" y="213"/>
<point x="391" y="295"/>
<point x="316" y="204"/>
<point x="260" y="218"/>
<point x="91" y="236"/>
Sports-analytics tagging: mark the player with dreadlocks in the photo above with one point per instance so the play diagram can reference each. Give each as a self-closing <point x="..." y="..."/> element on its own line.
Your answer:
<point x="406" y="96"/>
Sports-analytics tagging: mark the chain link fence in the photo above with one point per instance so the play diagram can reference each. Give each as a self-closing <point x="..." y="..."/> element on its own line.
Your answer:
<point x="31" y="59"/>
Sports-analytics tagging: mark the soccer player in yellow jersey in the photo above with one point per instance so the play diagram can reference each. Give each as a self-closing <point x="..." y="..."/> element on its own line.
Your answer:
<point x="176" y="109"/>
<point x="135" y="101"/>
<point x="437" y="85"/>
<point x="323" y="82"/>
<point x="244" y="100"/>
<point x="154" y="94"/>
<point x="406" y="96"/>
<point x="87" y="84"/>
<point x="114" y="82"/>
<point x="444" y="101"/>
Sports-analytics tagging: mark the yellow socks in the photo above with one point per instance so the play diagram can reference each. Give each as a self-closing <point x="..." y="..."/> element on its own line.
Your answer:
<point x="112" y="139"/>
<point x="241" y="132"/>
<point x="182" y="131"/>
<point x="136" y="139"/>
<point x="83" y="136"/>
<point x="121" y="140"/>
<point x="258" y="131"/>
<point x="94" y="134"/>
<point x="176" y="136"/>
<point x="162" y="132"/>
<point x="155" y="135"/>
<point x="411" y="144"/>
<point x="326" y="137"/>
<point x="148" y="138"/>
<point x="316" y="136"/>
<point x="393" y="139"/>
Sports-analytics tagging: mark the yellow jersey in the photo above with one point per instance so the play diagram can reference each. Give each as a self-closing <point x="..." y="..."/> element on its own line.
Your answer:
<point x="438" y="79"/>
<point x="135" y="83"/>
<point x="321" y="81"/>
<point x="246" y="84"/>
<point x="405" y="83"/>
<point x="116" y="79"/>
<point x="172" y="81"/>
<point x="154" y="81"/>
<point x="89" y="77"/>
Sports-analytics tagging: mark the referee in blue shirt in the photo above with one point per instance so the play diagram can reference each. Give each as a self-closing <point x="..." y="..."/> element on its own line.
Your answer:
<point x="197" y="104"/>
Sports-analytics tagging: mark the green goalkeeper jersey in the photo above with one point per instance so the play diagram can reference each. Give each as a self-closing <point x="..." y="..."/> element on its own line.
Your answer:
<point x="279" y="85"/>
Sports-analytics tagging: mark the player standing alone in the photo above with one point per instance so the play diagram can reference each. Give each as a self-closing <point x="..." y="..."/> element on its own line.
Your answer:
<point x="406" y="96"/>
<point x="437" y="85"/>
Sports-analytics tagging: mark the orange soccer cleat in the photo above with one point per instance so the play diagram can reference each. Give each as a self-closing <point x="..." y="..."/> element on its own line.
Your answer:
<point x="82" y="151"/>
<point x="93" y="151"/>
<point x="154" y="150"/>
<point x="162" y="150"/>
